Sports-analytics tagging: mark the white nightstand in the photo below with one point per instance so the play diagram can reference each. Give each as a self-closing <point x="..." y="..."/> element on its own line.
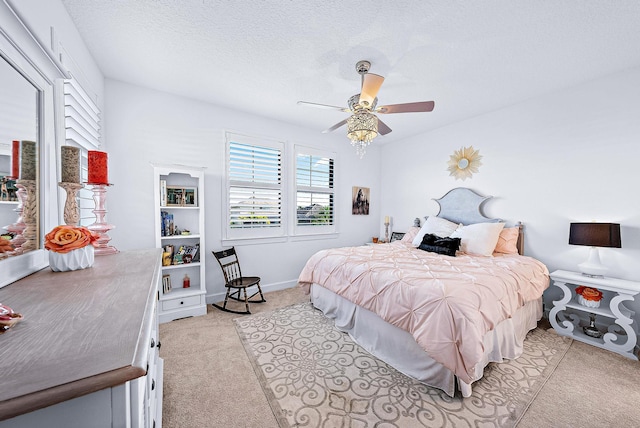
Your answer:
<point x="613" y="318"/>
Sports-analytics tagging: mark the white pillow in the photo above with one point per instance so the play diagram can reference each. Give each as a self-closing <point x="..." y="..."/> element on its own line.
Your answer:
<point x="479" y="238"/>
<point x="435" y="226"/>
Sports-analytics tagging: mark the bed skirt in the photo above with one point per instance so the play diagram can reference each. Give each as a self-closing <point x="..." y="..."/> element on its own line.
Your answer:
<point x="399" y="349"/>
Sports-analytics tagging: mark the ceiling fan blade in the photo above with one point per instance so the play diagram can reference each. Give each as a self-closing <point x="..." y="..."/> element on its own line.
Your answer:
<point x="407" y="107"/>
<point x="334" y="127"/>
<point x="383" y="129"/>
<point x="370" y="86"/>
<point x="325" y="106"/>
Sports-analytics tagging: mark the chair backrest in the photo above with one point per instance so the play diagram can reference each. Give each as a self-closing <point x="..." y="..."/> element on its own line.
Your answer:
<point x="228" y="261"/>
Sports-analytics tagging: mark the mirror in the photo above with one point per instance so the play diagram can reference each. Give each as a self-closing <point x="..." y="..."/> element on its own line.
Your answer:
<point x="19" y="164"/>
<point x="463" y="163"/>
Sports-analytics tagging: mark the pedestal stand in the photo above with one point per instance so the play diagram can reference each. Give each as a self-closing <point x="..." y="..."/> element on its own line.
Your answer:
<point x="101" y="227"/>
<point x="29" y="214"/>
<point x="71" y="211"/>
<point x="591" y="329"/>
<point x="18" y="227"/>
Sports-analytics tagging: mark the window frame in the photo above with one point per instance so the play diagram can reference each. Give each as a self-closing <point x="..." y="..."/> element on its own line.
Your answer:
<point x="312" y="231"/>
<point x="238" y="235"/>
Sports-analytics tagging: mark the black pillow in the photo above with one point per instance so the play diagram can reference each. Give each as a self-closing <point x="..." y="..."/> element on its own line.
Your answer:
<point x="436" y="244"/>
<point x="429" y="239"/>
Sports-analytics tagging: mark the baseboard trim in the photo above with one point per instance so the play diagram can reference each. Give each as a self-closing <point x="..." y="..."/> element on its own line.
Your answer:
<point x="266" y="288"/>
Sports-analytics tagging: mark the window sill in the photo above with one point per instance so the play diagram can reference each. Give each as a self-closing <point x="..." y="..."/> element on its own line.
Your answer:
<point x="279" y="239"/>
<point x="314" y="236"/>
<point x="254" y="241"/>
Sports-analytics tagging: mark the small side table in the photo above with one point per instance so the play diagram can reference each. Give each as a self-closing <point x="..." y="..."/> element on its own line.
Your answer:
<point x="621" y="329"/>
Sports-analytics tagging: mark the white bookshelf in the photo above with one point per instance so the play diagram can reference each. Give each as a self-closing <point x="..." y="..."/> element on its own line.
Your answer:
<point x="181" y="302"/>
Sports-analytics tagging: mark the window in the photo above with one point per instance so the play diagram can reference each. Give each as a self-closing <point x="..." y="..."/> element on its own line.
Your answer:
<point x="314" y="191"/>
<point x="254" y="187"/>
<point x="82" y="129"/>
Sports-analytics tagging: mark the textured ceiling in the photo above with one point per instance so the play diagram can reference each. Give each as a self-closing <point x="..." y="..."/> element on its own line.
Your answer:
<point x="261" y="57"/>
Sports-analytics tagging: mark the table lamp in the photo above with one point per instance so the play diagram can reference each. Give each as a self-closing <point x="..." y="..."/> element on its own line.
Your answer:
<point x="594" y="235"/>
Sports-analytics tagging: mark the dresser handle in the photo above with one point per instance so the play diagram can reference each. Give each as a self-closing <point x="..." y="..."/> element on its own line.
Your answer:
<point x="159" y="345"/>
<point x="153" y="342"/>
<point x="153" y="384"/>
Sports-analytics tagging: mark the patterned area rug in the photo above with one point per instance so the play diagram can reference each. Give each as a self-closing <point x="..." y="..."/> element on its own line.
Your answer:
<point x="315" y="376"/>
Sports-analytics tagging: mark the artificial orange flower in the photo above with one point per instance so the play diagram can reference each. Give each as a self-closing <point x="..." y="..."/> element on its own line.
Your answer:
<point x="5" y="245"/>
<point x="589" y="293"/>
<point x="65" y="238"/>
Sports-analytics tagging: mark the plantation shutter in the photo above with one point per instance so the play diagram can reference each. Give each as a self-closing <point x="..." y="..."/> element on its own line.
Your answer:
<point x="314" y="190"/>
<point x="254" y="189"/>
<point x="82" y="130"/>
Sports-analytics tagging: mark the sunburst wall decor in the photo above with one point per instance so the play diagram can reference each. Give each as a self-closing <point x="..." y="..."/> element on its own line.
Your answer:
<point x="464" y="162"/>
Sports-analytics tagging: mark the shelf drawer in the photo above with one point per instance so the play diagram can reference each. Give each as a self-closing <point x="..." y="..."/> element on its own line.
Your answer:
<point x="179" y="303"/>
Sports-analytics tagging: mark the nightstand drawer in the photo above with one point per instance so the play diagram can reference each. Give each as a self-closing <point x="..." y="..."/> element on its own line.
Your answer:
<point x="184" y="302"/>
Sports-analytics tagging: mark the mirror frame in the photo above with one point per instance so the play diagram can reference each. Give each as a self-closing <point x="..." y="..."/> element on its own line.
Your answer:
<point x="22" y="50"/>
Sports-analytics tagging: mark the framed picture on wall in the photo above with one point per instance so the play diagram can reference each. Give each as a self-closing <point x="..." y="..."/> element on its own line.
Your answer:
<point x="360" y="200"/>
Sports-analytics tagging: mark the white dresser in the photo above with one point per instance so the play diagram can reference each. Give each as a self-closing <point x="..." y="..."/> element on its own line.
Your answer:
<point x="87" y="352"/>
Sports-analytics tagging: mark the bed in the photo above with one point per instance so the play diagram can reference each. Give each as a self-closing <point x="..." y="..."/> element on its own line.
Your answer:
<point x="436" y="317"/>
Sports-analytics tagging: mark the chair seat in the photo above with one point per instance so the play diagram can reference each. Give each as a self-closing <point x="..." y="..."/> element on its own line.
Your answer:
<point x="244" y="282"/>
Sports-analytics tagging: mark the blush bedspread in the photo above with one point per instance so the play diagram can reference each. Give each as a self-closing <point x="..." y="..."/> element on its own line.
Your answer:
<point x="447" y="303"/>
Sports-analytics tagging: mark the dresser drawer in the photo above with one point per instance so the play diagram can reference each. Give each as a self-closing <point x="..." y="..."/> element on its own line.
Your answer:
<point x="184" y="302"/>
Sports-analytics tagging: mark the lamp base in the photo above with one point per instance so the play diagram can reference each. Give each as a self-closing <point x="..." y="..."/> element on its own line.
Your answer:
<point x="592" y="266"/>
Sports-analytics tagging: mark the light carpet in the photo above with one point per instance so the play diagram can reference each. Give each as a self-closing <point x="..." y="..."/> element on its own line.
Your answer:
<point x="315" y="376"/>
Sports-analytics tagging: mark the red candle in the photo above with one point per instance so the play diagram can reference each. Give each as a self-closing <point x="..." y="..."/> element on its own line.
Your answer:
<point x="15" y="160"/>
<point x="97" y="166"/>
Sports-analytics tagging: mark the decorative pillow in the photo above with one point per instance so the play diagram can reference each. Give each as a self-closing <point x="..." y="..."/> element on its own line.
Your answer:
<point x="411" y="233"/>
<point x="508" y="241"/>
<point x="435" y="244"/>
<point x="435" y="226"/>
<point x="479" y="238"/>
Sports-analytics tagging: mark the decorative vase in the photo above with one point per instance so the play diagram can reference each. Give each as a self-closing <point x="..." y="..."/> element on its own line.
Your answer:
<point x="81" y="258"/>
<point x="588" y="303"/>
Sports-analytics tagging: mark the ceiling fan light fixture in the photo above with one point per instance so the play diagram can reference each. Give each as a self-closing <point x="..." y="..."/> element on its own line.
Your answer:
<point x="362" y="128"/>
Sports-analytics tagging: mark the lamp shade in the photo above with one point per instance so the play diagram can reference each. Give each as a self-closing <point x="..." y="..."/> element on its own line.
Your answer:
<point x="595" y="234"/>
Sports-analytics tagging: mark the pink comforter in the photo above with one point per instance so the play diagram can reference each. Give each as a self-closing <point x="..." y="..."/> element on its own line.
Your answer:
<point x="446" y="303"/>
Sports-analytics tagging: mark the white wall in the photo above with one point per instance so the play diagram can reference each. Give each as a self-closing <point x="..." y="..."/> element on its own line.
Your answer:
<point x="52" y="26"/>
<point x="146" y="126"/>
<point x="564" y="157"/>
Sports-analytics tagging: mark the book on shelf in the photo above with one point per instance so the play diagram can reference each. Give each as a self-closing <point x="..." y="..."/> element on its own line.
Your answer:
<point x="183" y="254"/>
<point x="193" y="252"/>
<point x="177" y="256"/>
<point x="163" y="193"/>
<point x="166" y="224"/>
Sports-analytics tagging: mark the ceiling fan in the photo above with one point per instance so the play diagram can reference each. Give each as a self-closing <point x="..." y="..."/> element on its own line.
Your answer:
<point x="363" y="125"/>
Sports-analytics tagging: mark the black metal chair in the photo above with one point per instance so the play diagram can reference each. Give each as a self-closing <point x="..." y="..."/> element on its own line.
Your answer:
<point x="228" y="261"/>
